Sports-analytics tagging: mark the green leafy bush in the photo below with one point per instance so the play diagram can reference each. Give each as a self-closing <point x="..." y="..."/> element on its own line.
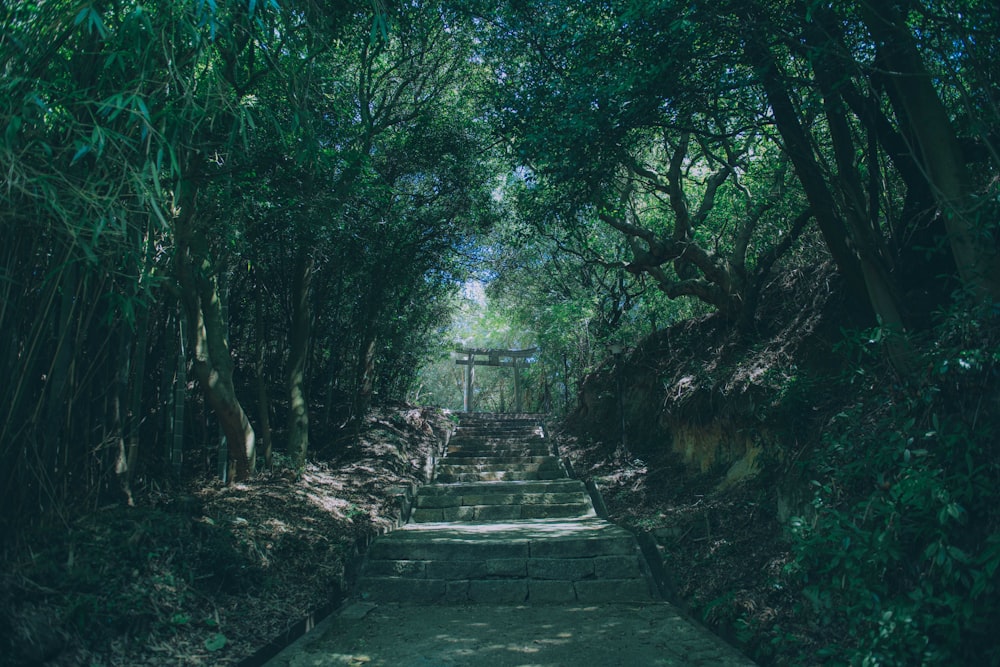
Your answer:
<point x="899" y="551"/>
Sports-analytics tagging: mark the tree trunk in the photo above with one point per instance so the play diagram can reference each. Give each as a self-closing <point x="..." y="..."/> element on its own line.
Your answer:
<point x="978" y="263"/>
<point x="213" y="364"/>
<point x="133" y="413"/>
<point x="298" y="418"/>
<point x="53" y="429"/>
<point x="366" y="377"/>
<point x="263" y="400"/>
<point x="119" y="389"/>
<point x="809" y="172"/>
<point x="180" y="397"/>
<point x="332" y="370"/>
<point x="883" y="293"/>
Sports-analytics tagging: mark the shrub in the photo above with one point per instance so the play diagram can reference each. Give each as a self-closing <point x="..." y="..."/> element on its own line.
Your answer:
<point x="899" y="550"/>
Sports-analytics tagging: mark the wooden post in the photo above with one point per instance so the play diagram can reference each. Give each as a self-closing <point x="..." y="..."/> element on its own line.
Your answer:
<point x="468" y="383"/>
<point x="518" y="397"/>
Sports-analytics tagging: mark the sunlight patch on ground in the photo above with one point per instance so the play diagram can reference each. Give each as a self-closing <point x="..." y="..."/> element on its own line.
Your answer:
<point x="277" y="525"/>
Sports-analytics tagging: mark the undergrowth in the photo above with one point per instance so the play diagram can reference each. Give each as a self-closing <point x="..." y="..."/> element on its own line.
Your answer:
<point x="899" y="550"/>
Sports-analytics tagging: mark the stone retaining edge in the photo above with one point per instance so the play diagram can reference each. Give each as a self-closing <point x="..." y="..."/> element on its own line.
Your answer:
<point x="647" y="547"/>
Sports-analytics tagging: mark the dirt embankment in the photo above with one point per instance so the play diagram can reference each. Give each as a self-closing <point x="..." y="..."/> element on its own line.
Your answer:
<point x="714" y="422"/>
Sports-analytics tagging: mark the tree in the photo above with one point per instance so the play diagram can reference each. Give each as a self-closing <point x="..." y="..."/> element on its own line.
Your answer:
<point x="655" y="115"/>
<point x="640" y="145"/>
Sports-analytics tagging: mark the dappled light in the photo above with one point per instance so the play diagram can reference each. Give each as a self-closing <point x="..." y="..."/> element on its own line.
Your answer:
<point x="515" y="636"/>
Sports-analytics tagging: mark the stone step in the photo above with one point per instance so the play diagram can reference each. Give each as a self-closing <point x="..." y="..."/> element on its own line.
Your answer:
<point x="497" y="437"/>
<point x="497" y="591"/>
<point x="502" y="512"/>
<point x="541" y="538"/>
<point x="546" y="463"/>
<point x="582" y="560"/>
<point x="509" y="447"/>
<point x="500" y="431"/>
<point x="499" y="475"/>
<point x="471" y="500"/>
<point x="490" y="446"/>
<point x="476" y="417"/>
<point x="467" y="499"/>
<point x="502" y="459"/>
<point x="482" y="488"/>
<point x="506" y="449"/>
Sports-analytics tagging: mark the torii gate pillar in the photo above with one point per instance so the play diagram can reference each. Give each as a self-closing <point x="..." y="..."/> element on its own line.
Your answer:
<point x="518" y="402"/>
<point x="469" y="376"/>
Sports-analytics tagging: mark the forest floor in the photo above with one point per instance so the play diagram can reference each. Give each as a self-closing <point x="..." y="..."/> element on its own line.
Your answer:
<point x="211" y="574"/>
<point x="204" y="573"/>
<point x="723" y="549"/>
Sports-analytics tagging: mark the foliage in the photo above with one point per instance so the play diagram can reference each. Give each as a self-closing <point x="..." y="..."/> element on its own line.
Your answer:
<point x="215" y="156"/>
<point x="899" y="549"/>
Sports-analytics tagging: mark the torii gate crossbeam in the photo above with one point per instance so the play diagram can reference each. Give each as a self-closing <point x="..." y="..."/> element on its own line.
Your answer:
<point x="505" y="358"/>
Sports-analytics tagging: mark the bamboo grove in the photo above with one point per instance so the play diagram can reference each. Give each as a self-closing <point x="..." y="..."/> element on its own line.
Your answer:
<point x="213" y="213"/>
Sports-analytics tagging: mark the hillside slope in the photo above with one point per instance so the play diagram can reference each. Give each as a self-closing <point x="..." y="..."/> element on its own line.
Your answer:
<point x="809" y="503"/>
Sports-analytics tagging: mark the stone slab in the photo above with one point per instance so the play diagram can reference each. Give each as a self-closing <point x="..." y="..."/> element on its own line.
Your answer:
<point x="399" y="588"/>
<point x="396" y="568"/>
<point x="580" y="509"/>
<point x="498" y="591"/>
<point x="507" y="567"/>
<point x="592" y="591"/>
<point x="456" y="569"/>
<point x="551" y="592"/>
<point x="652" y="634"/>
<point x="567" y="569"/>
<point x="617" y="567"/>
<point x="583" y="547"/>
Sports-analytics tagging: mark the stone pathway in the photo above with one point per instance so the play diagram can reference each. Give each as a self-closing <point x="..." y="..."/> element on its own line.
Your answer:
<point x="504" y="562"/>
<point x="608" y="635"/>
<point x="504" y="524"/>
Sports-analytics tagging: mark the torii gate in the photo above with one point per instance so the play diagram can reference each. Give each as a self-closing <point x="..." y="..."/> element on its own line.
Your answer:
<point x="505" y="358"/>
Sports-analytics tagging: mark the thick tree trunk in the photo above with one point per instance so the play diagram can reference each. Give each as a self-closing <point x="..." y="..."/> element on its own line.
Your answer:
<point x="978" y="263"/>
<point x="861" y="223"/>
<point x="298" y="418"/>
<point x="865" y="275"/>
<point x="213" y="364"/>
<point x="809" y="173"/>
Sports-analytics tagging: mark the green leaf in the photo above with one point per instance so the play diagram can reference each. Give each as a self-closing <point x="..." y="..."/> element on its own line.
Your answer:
<point x="80" y="152"/>
<point x="215" y="642"/>
<point x="12" y="128"/>
<point x="958" y="554"/>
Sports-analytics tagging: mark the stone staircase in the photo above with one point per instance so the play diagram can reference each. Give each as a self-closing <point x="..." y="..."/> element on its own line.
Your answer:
<point x="502" y="523"/>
